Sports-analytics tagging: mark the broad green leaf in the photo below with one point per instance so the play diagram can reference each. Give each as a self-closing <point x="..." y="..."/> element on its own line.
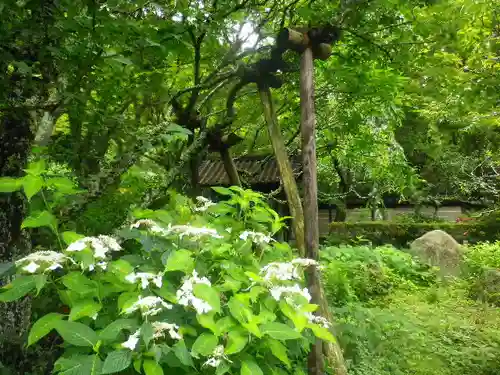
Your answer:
<point x="78" y="365"/>
<point x="182" y="353"/>
<point x="204" y="345"/>
<point x="223" y="368"/>
<point x="147" y="332"/>
<point x="297" y="317"/>
<point x="250" y="368"/>
<point x="207" y="321"/>
<point x="151" y="367"/>
<point x="137" y="365"/>
<point x="70" y="237"/>
<point x="123" y="60"/>
<point x="41" y="219"/>
<point x="224" y="325"/>
<point x="62" y="184"/>
<point x="87" y="307"/>
<point x="236" y="341"/>
<point x="111" y="332"/>
<point x="40" y="281"/>
<point x="208" y="294"/>
<point x="18" y="288"/>
<point x="279" y="331"/>
<point x="239" y="310"/>
<point x="180" y="260"/>
<point x="77" y="334"/>
<point x="321" y="332"/>
<point x="32" y="185"/>
<point x="117" y="361"/>
<point x="79" y="283"/>
<point x="36" y="168"/>
<point x="42" y="327"/>
<point x="279" y="351"/>
<point x="10" y="185"/>
<point x="222" y="190"/>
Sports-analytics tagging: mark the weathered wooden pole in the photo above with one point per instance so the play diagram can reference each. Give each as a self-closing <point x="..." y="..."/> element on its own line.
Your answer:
<point x="311" y="227"/>
<point x="311" y="49"/>
<point x="284" y="165"/>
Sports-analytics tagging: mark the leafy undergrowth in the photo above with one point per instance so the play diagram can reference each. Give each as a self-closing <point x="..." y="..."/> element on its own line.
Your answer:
<point x="395" y="318"/>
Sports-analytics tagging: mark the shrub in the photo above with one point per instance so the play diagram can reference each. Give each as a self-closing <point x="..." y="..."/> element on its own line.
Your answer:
<point x="210" y="296"/>
<point x="364" y="274"/>
<point x="400" y="234"/>
<point x="417" y="334"/>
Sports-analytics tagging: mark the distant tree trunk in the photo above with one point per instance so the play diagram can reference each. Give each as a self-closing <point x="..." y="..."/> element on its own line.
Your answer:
<point x="341" y="212"/>
<point x="15" y="141"/>
<point x="285" y="167"/>
<point x="230" y="166"/>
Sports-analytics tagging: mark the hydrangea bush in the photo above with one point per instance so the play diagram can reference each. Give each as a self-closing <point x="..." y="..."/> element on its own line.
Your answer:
<point x="204" y="290"/>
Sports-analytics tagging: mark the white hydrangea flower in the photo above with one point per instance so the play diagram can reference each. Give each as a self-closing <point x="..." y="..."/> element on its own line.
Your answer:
<point x="31" y="268"/>
<point x="279" y="271"/>
<point x="101" y="245"/>
<point x="185" y="296"/>
<point x="319" y="320"/>
<point x="146" y="278"/>
<point x="217" y="357"/>
<point x="48" y="260"/>
<point x="196" y="232"/>
<point x="286" y="271"/>
<point x="132" y="340"/>
<point x="148" y="306"/>
<point x="277" y="292"/>
<point x="149" y="224"/>
<point x="204" y="204"/>
<point x="256" y="237"/>
<point x="160" y="328"/>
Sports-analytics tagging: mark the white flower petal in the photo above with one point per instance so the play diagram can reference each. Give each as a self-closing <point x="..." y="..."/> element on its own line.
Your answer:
<point x="31" y="268"/>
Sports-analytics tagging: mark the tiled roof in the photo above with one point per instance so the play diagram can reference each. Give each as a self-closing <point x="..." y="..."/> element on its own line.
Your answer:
<point x="252" y="170"/>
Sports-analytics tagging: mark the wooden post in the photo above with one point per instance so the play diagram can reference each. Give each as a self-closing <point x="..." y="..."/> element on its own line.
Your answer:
<point x="308" y="125"/>
<point x="308" y="128"/>
<point x="284" y="165"/>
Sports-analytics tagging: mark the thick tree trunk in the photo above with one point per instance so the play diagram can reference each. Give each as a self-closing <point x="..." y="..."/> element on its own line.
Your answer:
<point x="230" y="166"/>
<point x="15" y="141"/>
<point x="285" y="167"/>
<point x="308" y="124"/>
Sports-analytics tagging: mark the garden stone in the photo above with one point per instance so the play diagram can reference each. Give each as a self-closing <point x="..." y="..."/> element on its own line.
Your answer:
<point x="439" y="249"/>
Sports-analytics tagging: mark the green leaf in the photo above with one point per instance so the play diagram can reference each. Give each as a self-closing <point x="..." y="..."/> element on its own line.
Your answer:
<point x="180" y="260"/>
<point x="223" y="368"/>
<point x="32" y="185"/>
<point x="279" y="331"/>
<point x="70" y="237"/>
<point x="279" y="351"/>
<point x="223" y="191"/>
<point x="87" y="307"/>
<point x="62" y="184"/>
<point x="123" y="60"/>
<point x="321" y="332"/>
<point x="204" y="345"/>
<point x="137" y="365"/>
<point x="42" y="327"/>
<point x="249" y="367"/>
<point x="36" y="168"/>
<point x="117" y="361"/>
<point x="236" y="341"/>
<point x="207" y="321"/>
<point x="10" y="185"/>
<point x="151" y="367"/>
<point x="111" y="332"/>
<point x="41" y="219"/>
<point x="79" y="283"/>
<point x="18" y="288"/>
<point x="224" y="325"/>
<point x="147" y="332"/>
<point x="182" y="353"/>
<point x="78" y="365"/>
<point x="77" y="334"/>
<point x="40" y="281"/>
<point x="208" y="294"/>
